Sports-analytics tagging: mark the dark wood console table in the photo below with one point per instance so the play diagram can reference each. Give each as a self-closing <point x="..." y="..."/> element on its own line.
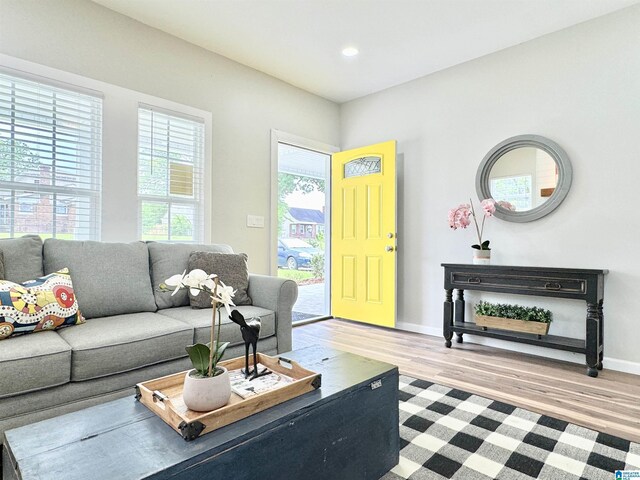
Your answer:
<point x="579" y="284"/>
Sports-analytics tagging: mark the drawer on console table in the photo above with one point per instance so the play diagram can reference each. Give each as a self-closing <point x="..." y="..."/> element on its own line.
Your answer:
<point x="514" y="283"/>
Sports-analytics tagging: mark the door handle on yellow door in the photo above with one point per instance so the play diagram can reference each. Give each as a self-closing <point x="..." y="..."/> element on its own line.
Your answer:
<point x="389" y="248"/>
<point x="389" y="235"/>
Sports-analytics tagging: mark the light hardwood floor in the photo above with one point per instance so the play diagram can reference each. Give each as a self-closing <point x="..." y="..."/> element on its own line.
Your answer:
<point x="609" y="403"/>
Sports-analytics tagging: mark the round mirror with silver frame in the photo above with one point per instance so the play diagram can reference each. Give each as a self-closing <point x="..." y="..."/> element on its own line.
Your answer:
<point x="528" y="176"/>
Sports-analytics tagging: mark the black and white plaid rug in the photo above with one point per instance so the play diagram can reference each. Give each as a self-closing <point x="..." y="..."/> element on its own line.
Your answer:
<point x="448" y="433"/>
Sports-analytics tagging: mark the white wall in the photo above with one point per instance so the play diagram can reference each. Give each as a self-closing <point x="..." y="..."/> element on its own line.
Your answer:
<point x="81" y="37"/>
<point x="586" y="97"/>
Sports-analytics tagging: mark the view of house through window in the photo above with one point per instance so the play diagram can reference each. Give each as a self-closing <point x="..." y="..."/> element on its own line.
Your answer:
<point x="170" y="176"/>
<point x="516" y="190"/>
<point x="301" y="227"/>
<point x="50" y="160"/>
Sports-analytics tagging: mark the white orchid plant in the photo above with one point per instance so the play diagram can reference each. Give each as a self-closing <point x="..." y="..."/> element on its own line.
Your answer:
<point x="205" y="358"/>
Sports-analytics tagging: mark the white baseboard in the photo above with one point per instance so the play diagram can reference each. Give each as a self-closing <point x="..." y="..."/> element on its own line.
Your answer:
<point x="621" y="365"/>
<point x="417" y="328"/>
<point x="609" y="363"/>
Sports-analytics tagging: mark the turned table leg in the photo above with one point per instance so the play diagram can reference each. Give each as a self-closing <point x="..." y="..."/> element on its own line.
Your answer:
<point x="601" y="336"/>
<point x="592" y="341"/>
<point x="447" y="322"/>
<point x="459" y="312"/>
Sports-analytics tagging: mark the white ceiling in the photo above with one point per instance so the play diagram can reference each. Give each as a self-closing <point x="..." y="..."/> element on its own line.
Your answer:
<point x="300" y="41"/>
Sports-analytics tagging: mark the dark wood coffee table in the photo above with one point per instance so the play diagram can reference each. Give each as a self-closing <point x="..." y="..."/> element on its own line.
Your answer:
<point x="347" y="429"/>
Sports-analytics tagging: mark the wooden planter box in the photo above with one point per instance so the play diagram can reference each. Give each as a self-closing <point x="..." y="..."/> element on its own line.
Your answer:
<point x="163" y="396"/>
<point x="502" y="323"/>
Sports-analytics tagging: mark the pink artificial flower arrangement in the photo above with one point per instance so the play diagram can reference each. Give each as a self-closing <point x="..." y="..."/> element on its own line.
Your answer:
<point x="460" y="217"/>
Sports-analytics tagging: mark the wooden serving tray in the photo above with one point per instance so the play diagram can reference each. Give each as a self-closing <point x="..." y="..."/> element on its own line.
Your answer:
<point x="163" y="396"/>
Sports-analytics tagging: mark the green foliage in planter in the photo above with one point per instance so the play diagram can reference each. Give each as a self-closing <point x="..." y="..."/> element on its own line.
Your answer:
<point x="516" y="312"/>
<point x="483" y="246"/>
<point x="200" y="356"/>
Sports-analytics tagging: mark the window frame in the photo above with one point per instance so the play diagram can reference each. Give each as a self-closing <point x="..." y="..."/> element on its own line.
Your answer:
<point x="93" y="194"/>
<point x="529" y="180"/>
<point x="198" y="201"/>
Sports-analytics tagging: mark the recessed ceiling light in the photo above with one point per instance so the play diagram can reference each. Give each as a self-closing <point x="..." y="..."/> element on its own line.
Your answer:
<point x="350" y="52"/>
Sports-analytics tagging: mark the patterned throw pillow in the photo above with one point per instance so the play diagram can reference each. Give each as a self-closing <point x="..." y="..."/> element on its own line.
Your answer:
<point x="231" y="268"/>
<point x="47" y="303"/>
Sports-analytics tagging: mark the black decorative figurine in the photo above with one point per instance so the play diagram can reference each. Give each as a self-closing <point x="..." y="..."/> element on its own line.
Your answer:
<point x="250" y="334"/>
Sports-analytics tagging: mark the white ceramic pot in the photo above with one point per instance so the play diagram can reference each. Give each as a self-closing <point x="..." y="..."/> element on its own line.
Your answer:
<point x="481" y="257"/>
<point x="208" y="393"/>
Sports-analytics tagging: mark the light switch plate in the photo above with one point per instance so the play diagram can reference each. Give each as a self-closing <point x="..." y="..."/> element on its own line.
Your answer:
<point x="255" y="221"/>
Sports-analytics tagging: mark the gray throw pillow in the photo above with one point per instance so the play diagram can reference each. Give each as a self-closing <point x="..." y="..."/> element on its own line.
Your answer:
<point x="168" y="259"/>
<point x="22" y="258"/>
<point x="231" y="268"/>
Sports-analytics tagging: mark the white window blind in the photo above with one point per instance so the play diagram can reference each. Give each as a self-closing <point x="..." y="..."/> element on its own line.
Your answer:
<point x="170" y="176"/>
<point x="50" y="160"/>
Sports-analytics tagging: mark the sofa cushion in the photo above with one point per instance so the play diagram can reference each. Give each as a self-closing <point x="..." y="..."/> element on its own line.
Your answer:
<point x="109" y="345"/>
<point x="46" y="303"/>
<point x="109" y="278"/>
<point x="200" y="320"/>
<point x="168" y="259"/>
<point x="231" y="269"/>
<point x="33" y="362"/>
<point x="22" y="258"/>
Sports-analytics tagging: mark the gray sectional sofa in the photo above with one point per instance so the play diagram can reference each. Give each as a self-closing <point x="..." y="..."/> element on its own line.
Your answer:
<point x="133" y="331"/>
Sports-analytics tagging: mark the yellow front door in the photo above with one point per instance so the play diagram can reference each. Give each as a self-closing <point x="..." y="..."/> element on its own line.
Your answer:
<point x="363" y="234"/>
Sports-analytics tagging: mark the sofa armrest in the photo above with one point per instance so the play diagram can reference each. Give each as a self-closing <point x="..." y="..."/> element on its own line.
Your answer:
<point x="279" y="295"/>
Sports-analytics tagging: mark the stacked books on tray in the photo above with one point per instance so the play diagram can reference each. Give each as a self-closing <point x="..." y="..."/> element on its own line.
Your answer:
<point x="247" y="387"/>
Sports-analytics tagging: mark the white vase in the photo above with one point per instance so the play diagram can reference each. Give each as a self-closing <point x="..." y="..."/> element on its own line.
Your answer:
<point x="203" y="394"/>
<point x="481" y="257"/>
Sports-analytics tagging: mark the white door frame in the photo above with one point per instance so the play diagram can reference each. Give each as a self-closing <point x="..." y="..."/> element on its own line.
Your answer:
<point x="278" y="136"/>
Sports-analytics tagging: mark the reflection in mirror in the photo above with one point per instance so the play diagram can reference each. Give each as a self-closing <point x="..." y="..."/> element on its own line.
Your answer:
<point x="530" y="172"/>
<point x="524" y="177"/>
